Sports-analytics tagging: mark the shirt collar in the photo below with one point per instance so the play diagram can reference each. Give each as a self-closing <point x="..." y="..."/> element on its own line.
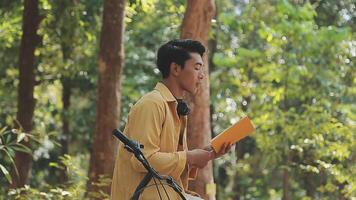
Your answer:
<point x="165" y="92"/>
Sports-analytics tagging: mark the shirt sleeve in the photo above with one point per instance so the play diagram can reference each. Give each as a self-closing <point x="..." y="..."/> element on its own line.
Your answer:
<point x="145" y="125"/>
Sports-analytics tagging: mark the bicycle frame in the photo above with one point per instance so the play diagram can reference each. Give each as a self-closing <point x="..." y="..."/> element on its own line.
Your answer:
<point x="135" y="148"/>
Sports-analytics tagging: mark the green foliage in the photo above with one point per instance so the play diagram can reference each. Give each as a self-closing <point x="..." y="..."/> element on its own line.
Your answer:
<point x="294" y="79"/>
<point x="10" y="143"/>
<point x="289" y="65"/>
<point x="10" y="34"/>
<point x="148" y="25"/>
<point x="74" y="188"/>
<point x="102" y="182"/>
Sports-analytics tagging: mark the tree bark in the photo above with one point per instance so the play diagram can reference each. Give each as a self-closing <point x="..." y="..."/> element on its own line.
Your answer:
<point x="25" y="99"/>
<point x="286" y="195"/>
<point x="196" y="25"/>
<point x="309" y="184"/>
<point x="110" y="62"/>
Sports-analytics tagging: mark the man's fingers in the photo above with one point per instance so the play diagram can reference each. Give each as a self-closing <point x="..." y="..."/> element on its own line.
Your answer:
<point x="208" y="148"/>
<point x="212" y="154"/>
<point x="228" y="148"/>
<point x="223" y="149"/>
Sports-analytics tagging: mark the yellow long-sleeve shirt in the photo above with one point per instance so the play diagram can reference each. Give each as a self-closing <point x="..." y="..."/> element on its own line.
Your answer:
<point x="153" y="121"/>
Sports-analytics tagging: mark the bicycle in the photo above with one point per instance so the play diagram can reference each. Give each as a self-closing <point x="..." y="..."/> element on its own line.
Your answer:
<point x="135" y="148"/>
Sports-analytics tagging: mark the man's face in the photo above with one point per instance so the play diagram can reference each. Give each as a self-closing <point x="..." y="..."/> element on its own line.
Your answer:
<point x="191" y="75"/>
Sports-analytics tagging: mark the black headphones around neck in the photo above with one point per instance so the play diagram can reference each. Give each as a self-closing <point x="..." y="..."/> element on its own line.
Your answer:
<point x="182" y="108"/>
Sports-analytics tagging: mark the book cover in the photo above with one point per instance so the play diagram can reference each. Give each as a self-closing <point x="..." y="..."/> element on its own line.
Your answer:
<point x="233" y="134"/>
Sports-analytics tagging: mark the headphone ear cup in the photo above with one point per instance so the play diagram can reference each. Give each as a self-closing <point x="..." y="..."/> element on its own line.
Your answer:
<point x="182" y="108"/>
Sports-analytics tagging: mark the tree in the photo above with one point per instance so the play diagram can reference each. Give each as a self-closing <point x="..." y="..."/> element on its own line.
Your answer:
<point x="274" y="53"/>
<point x="26" y="102"/>
<point x="67" y="34"/>
<point x="196" y="25"/>
<point x="110" y="61"/>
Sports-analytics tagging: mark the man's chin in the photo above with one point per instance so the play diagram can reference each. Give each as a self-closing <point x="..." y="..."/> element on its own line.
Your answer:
<point x="192" y="92"/>
<point x="195" y="91"/>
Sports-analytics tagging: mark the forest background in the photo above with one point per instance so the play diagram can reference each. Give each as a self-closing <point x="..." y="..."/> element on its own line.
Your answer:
<point x="288" y="65"/>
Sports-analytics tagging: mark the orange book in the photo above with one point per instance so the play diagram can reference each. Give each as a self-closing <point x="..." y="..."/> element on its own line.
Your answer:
<point x="233" y="134"/>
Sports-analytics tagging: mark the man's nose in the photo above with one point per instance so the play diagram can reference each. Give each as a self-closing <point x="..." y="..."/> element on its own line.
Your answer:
<point x="201" y="74"/>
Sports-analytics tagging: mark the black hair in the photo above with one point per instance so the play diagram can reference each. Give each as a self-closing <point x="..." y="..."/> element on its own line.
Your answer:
<point x="177" y="51"/>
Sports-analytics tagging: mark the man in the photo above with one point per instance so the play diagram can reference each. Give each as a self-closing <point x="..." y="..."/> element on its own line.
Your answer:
<point x="158" y="121"/>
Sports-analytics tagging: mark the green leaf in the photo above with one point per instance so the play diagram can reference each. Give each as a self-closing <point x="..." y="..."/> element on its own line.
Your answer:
<point x="53" y="164"/>
<point x="6" y="173"/>
<point x="21" y="148"/>
<point x="249" y="53"/>
<point x="11" y="160"/>
<point x="2" y="131"/>
<point x="20" y="137"/>
<point x="7" y="139"/>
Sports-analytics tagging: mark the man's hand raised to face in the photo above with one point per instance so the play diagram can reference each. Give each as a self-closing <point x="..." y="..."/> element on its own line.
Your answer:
<point x="199" y="157"/>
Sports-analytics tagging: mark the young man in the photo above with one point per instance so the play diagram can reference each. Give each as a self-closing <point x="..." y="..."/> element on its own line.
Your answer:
<point x="158" y="121"/>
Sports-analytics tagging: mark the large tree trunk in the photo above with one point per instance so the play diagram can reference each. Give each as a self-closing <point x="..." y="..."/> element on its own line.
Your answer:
<point x="25" y="99"/>
<point x="196" y="25"/>
<point x="111" y="58"/>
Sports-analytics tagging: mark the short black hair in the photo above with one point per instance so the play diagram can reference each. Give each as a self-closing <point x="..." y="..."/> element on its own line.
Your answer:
<point x="177" y="51"/>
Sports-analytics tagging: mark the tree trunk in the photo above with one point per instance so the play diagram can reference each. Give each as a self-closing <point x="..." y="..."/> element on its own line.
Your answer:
<point x="66" y="93"/>
<point x="286" y="195"/>
<point x="110" y="61"/>
<point x="196" y="25"/>
<point x="309" y="184"/>
<point x="25" y="99"/>
<point x="286" y="184"/>
<point x="66" y="81"/>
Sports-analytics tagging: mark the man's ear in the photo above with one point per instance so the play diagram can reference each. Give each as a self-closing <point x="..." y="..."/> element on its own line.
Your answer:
<point x="175" y="69"/>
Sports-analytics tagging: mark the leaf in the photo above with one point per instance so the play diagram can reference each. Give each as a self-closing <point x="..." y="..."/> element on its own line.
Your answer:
<point x="2" y="131"/>
<point x="249" y="53"/>
<point x="7" y="139"/>
<point x="12" y="160"/>
<point x="21" y="148"/>
<point x="53" y="164"/>
<point x="20" y="137"/>
<point x="6" y="173"/>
